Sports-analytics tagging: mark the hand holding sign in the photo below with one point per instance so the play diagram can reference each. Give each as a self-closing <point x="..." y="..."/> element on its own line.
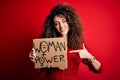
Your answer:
<point x="84" y="54"/>
<point x="32" y="55"/>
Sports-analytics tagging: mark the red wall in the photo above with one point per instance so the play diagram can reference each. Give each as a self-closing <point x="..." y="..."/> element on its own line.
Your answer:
<point x="21" y="21"/>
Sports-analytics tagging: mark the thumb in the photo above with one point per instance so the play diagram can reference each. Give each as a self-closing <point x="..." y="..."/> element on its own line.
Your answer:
<point x="84" y="46"/>
<point x="33" y="50"/>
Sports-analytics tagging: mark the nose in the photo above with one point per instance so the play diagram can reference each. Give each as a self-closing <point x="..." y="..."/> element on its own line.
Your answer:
<point x="61" y="25"/>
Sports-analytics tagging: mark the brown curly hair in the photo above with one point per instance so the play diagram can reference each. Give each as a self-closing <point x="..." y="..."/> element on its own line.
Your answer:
<point x="75" y="38"/>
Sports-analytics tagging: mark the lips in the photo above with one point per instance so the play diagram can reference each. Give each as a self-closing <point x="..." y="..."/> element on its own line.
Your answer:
<point x="62" y="30"/>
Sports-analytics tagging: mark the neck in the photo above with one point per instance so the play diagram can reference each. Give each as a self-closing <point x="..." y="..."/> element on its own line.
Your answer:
<point x="65" y="37"/>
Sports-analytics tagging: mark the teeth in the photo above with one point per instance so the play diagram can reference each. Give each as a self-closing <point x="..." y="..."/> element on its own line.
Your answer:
<point x="62" y="29"/>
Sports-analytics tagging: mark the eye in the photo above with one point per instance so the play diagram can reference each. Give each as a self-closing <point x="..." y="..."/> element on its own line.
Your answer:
<point x="64" y="20"/>
<point x="56" y="24"/>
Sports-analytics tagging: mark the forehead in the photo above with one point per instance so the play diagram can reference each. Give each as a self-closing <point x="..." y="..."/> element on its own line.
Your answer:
<point x="57" y="17"/>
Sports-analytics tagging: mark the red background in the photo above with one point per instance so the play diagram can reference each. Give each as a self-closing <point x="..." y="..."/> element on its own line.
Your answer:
<point x="21" y="21"/>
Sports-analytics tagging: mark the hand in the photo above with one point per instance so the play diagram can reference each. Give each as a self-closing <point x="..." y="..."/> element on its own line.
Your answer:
<point x="32" y="55"/>
<point x="83" y="54"/>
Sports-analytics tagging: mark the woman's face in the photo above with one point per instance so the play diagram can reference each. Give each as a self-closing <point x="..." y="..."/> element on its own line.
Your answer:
<point x="61" y="25"/>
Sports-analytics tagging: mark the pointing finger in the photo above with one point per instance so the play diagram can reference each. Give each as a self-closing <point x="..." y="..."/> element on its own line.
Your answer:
<point x="75" y="51"/>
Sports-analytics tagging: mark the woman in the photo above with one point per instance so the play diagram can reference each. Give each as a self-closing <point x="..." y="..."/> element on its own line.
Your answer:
<point x="64" y="22"/>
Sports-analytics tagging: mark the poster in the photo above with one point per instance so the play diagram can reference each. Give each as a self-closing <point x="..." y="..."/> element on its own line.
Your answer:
<point x="50" y="53"/>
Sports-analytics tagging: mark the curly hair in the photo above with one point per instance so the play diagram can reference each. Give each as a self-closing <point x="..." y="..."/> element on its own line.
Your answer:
<point x="75" y="38"/>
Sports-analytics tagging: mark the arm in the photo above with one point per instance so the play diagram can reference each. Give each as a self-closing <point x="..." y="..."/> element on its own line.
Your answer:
<point x="93" y="64"/>
<point x="96" y="65"/>
<point x="89" y="59"/>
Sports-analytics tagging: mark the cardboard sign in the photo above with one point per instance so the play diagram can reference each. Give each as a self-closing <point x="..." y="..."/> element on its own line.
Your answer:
<point x="50" y="53"/>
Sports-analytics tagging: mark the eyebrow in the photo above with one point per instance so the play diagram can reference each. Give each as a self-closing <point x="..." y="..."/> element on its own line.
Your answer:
<point x="62" y="17"/>
<point x="56" y="21"/>
<point x="62" y="20"/>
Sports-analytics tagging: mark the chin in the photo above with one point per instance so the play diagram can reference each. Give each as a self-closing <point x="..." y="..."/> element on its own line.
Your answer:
<point x="63" y="34"/>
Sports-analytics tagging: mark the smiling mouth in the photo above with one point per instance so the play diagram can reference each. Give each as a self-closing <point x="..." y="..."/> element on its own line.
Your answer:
<point x="62" y="30"/>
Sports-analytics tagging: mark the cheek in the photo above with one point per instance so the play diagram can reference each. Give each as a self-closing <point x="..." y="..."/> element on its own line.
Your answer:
<point x="66" y="24"/>
<point x="57" y="28"/>
<point x="67" y="27"/>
